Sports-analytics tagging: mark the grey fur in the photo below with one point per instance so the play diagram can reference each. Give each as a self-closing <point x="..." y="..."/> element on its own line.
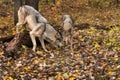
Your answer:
<point x="32" y="11"/>
<point x="67" y="25"/>
<point x="37" y="24"/>
<point x="52" y="36"/>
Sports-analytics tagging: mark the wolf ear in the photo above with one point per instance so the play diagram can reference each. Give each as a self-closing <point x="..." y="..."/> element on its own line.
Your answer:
<point x="19" y="10"/>
<point x="21" y="14"/>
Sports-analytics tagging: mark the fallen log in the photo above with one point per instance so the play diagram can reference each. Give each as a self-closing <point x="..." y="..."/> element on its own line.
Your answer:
<point x="17" y="42"/>
<point x="7" y="38"/>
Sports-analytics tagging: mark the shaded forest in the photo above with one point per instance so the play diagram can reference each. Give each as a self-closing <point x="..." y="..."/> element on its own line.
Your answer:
<point x="96" y="43"/>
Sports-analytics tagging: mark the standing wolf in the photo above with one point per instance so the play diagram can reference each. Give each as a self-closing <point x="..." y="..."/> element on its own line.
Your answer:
<point x="38" y="25"/>
<point x="67" y="24"/>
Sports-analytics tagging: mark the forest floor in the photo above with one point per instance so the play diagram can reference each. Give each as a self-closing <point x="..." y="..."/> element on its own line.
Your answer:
<point x="96" y="46"/>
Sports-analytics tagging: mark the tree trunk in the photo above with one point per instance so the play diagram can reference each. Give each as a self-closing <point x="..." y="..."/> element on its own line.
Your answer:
<point x="117" y="3"/>
<point x="46" y="1"/>
<point x="54" y="1"/>
<point x="33" y="3"/>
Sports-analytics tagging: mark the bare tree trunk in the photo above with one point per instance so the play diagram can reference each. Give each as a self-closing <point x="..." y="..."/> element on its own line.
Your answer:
<point x="33" y="3"/>
<point x="46" y="1"/>
<point x="117" y="2"/>
<point x="54" y="1"/>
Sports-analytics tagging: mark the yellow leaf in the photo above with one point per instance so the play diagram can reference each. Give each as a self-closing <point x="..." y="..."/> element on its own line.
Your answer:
<point x="14" y="31"/>
<point x="8" y="63"/>
<point x="62" y="78"/>
<point x="36" y="62"/>
<point x="96" y="45"/>
<point x="105" y="16"/>
<point x="27" y="68"/>
<point x="115" y="57"/>
<point x="109" y="73"/>
<point x="58" y="76"/>
<point x="23" y="46"/>
<point x="40" y="53"/>
<point x="72" y="78"/>
<point x="1" y="53"/>
<point x="10" y="78"/>
<point x="66" y="76"/>
<point x="58" y="2"/>
<point x="77" y="55"/>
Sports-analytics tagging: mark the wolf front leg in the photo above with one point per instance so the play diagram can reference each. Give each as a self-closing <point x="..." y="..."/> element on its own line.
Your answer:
<point x="17" y="27"/>
<point x="32" y="36"/>
<point x="20" y="24"/>
<point x="43" y="44"/>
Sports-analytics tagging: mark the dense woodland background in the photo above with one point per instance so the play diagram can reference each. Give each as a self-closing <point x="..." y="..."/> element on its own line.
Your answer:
<point x="96" y="43"/>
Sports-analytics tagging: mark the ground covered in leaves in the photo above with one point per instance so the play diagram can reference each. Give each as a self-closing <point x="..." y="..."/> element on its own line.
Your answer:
<point x="96" y="47"/>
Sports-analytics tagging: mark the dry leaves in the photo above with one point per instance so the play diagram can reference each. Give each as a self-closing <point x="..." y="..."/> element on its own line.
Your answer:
<point x="96" y="48"/>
